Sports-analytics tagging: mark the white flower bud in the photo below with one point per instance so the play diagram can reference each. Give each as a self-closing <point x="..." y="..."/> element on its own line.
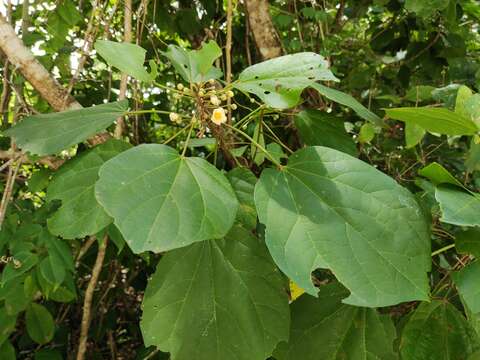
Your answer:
<point x="180" y="87"/>
<point x="215" y="101"/>
<point x="234" y="106"/>
<point x="223" y="97"/>
<point x="230" y="93"/>
<point x="174" y="117"/>
<point x="201" y="93"/>
<point x="211" y="81"/>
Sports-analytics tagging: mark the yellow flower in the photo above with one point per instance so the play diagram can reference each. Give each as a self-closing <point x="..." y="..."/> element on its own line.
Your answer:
<point x="218" y="116"/>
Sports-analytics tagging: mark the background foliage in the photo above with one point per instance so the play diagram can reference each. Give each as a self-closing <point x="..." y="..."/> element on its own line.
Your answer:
<point x="355" y="156"/>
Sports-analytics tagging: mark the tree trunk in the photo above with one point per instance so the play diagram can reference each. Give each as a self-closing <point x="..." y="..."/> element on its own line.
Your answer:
<point x="23" y="59"/>
<point x="262" y="29"/>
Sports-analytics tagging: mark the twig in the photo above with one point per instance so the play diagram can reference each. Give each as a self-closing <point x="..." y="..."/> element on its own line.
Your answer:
<point x="87" y="45"/>
<point x="7" y="193"/>
<point x="87" y="304"/>
<point x="83" y="250"/>
<point x="228" y="55"/>
<point x="127" y="38"/>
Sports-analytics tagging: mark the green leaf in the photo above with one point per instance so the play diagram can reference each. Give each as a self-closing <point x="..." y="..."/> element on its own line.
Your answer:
<point x="7" y="324"/>
<point x="160" y="200"/>
<point x="472" y="108"/>
<point x="413" y="134"/>
<point x="466" y="281"/>
<point x="324" y="328"/>
<point x="349" y="101"/>
<point x="437" y="174"/>
<point x="367" y="133"/>
<point x="126" y="57"/>
<point x="436" y="120"/>
<point x="7" y="351"/>
<point x="16" y="300"/>
<point x="39" y="180"/>
<point x="216" y="300"/>
<point x="458" y="207"/>
<point x="243" y="182"/>
<point x="275" y="150"/>
<point x="426" y="8"/>
<point x="279" y="82"/>
<point x="473" y="156"/>
<point x="69" y="13"/>
<point x="74" y="184"/>
<point x="319" y="128"/>
<point x="195" y="65"/>
<point x="48" y="354"/>
<point x="26" y="260"/>
<point x="468" y="242"/>
<point x="59" y="249"/>
<point x="52" y="270"/>
<point x="47" y="134"/>
<point x="258" y="155"/>
<point x="463" y="94"/>
<point x="419" y="93"/>
<point x="437" y="330"/>
<point x="327" y="209"/>
<point x="40" y="325"/>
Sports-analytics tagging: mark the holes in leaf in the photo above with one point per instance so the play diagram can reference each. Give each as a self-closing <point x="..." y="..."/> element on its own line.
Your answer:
<point x="311" y="78"/>
<point x="256" y="77"/>
<point x="185" y="66"/>
<point x="266" y="92"/>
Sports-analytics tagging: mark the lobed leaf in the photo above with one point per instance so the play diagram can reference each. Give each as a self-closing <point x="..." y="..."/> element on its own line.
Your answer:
<point x="326" y="209"/>
<point x="437" y="330"/>
<point x="216" y="300"/>
<point x="326" y="329"/>
<point x="195" y="65"/>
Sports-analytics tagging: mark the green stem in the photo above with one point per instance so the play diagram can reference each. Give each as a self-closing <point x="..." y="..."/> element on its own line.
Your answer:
<point x="175" y="135"/>
<point x="270" y="157"/>
<point x="445" y="248"/>
<point x="277" y="139"/>
<point x="149" y="111"/>
<point x="188" y="139"/>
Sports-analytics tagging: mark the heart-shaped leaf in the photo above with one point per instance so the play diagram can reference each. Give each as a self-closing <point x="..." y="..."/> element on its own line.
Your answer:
<point x="324" y="328"/>
<point x="74" y="184"/>
<point x="437" y="330"/>
<point x="160" y="200"/>
<point x="327" y="209"/>
<point x="217" y="300"/>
